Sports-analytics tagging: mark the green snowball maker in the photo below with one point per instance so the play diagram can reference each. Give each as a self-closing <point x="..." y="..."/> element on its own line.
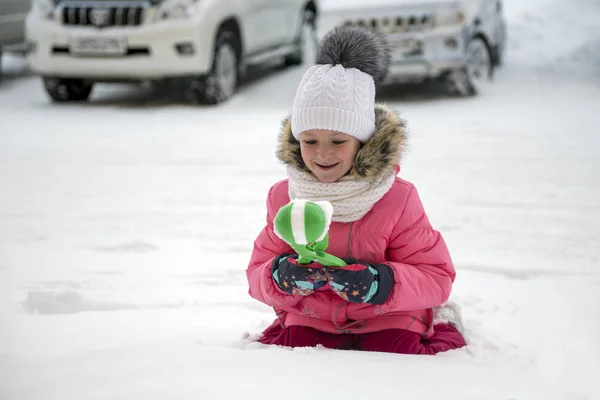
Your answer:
<point x="304" y="225"/>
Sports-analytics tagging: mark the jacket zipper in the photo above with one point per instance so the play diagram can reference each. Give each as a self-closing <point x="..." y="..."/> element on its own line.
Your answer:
<point x="349" y="238"/>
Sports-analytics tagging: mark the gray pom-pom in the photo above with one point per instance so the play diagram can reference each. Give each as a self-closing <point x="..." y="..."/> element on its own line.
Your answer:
<point x="356" y="47"/>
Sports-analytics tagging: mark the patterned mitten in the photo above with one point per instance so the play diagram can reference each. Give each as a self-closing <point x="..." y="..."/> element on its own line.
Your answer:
<point x="359" y="282"/>
<point x="293" y="278"/>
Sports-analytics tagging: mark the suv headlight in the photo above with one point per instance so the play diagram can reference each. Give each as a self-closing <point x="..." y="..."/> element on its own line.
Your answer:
<point x="449" y="16"/>
<point x="43" y="8"/>
<point x="176" y="9"/>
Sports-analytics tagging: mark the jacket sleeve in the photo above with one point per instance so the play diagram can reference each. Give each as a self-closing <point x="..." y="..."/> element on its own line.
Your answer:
<point x="267" y="246"/>
<point x="419" y="260"/>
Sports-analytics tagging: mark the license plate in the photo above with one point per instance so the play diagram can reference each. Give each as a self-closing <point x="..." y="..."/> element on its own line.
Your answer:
<point x="99" y="46"/>
<point x="404" y="44"/>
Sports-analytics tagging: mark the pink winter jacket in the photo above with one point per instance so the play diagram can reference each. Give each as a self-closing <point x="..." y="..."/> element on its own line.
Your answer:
<point x="395" y="232"/>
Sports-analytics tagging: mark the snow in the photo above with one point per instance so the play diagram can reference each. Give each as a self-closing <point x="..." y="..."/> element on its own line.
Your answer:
<point x="557" y="39"/>
<point x="126" y="225"/>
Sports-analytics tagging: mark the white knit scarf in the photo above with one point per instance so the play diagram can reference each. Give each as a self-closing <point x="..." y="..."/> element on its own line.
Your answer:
<point x="351" y="198"/>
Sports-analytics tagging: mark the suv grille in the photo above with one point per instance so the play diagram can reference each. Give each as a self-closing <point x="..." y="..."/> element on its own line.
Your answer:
<point x="102" y="16"/>
<point x="405" y="23"/>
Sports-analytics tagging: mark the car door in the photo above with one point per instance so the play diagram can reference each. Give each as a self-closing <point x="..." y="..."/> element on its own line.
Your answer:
<point x="275" y="18"/>
<point x="249" y="12"/>
<point x="259" y="17"/>
<point x="292" y="15"/>
<point x="12" y="21"/>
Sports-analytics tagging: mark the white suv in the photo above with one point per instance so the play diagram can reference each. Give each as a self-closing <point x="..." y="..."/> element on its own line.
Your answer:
<point x="458" y="41"/>
<point x="75" y="43"/>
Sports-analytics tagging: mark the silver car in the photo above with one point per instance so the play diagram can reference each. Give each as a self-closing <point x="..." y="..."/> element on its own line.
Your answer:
<point x="456" y="41"/>
<point x="12" y="26"/>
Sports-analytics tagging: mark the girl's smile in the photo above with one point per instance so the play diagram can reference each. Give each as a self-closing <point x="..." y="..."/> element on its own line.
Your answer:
<point x="328" y="154"/>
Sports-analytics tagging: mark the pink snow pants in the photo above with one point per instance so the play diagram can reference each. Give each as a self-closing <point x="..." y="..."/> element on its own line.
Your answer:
<point x="446" y="337"/>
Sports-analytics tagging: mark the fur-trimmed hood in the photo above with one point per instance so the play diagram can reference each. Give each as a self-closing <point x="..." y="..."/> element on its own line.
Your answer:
<point x="377" y="157"/>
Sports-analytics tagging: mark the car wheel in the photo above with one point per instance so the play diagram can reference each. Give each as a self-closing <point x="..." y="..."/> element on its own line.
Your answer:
<point x="307" y="33"/>
<point x="66" y="89"/>
<point x="476" y="75"/>
<point x="222" y="81"/>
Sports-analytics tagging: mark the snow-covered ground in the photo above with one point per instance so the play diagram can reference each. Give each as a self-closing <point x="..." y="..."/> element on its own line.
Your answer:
<point x="126" y="225"/>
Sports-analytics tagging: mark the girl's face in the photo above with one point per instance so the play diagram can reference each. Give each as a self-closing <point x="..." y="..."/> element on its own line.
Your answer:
<point x="329" y="155"/>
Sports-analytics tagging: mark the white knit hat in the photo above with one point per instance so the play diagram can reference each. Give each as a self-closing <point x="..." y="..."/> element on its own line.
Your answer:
<point x="335" y="98"/>
<point x="339" y="92"/>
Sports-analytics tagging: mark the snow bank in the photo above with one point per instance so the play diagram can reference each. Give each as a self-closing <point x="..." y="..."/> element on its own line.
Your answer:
<point x="67" y="302"/>
<point x="554" y="37"/>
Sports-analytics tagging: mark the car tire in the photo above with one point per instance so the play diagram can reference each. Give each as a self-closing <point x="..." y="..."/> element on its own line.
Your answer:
<point x="307" y="32"/>
<point x="67" y="89"/>
<point x="221" y="83"/>
<point x="472" y="79"/>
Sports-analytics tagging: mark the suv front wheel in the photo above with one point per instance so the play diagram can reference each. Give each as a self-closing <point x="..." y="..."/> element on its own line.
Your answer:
<point x="66" y="89"/>
<point x="476" y="75"/>
<point x="221" y="83"/>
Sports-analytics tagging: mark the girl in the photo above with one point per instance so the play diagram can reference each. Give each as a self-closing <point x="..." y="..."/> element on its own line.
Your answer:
<point x="342" y="147"/>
